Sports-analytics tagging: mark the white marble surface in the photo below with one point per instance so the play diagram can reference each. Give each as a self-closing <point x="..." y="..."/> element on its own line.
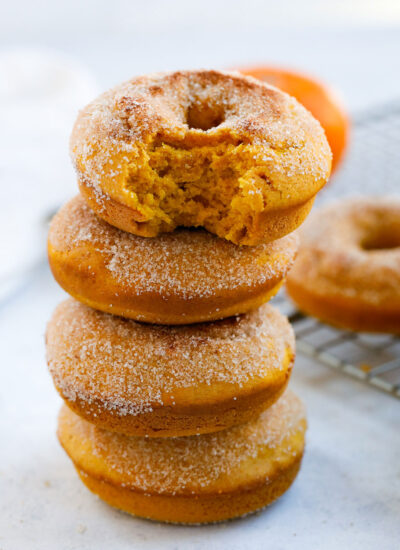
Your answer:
<point x="347" y="494"/>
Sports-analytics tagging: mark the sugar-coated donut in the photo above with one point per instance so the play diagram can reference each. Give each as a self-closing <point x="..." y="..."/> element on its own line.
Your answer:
<point x="152" y="380"/>
<point x="347" y="272"/>
<point x="197" y="479"/>
<point x="200" y="148"/>
<point x="183" y="277"/>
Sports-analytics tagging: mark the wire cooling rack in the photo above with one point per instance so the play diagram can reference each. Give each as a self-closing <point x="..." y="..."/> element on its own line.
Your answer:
<point x="372" y="358"/>
<point x="372" y="167"/>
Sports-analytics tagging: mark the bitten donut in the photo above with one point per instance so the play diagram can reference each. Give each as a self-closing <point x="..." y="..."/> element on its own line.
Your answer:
<point x="348" y="268"/>
<point x="151" y="380"/>
<point x="197" y="479"/>
<point x="183" y="277"/>
<point x="200" y="148"/>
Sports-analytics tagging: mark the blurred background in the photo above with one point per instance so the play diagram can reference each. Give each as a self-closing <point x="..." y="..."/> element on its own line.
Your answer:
<point x="55" y="56"/>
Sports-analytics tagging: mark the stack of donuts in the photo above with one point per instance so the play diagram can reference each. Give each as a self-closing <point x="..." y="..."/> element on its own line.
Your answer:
<point x="172" y="367"/>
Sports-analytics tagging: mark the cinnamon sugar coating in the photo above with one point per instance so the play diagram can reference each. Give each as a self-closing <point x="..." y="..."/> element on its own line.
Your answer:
<point x="154" y="380"/>
<point x="200" y="148"/>
<point x="181" y="277"/>
<point x="348" y="267"/>
<point x="192" y="479"/>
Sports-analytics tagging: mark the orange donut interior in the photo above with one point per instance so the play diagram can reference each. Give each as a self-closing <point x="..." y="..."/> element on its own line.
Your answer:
<point x="200" y="148"/>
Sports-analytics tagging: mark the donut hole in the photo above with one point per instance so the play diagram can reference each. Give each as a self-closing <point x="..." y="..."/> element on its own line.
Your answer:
<point x="204" y="116"/>
<point x="385" y="238"/>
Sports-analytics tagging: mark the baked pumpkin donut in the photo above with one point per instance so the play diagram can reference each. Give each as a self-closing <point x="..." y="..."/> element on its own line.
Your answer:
<point x="347" y="272"/>
<point x="183" y="277"/>
<point x="197" y="479"/>
<point x="159" y="381"/>
<point x="200" y="148"/>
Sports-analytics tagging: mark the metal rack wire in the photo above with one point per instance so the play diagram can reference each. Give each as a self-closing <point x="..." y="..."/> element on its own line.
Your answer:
<point x="372" y="358"/>
<point x="372" y="167"/>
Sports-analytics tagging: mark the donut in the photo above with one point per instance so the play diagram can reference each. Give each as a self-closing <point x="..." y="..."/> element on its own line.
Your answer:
<point x="196" y="479"/>
<point x="347" y="272"/>
<point x="183" y="277"/>
<point x="157" y="381"/>
<point x="200" y="148"/>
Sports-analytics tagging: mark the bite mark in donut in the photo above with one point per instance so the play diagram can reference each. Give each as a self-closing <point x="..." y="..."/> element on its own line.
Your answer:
<point x="200" y="148"/>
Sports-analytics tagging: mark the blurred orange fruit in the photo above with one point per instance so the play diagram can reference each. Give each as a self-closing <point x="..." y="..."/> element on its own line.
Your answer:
<point x="317" y="98"/>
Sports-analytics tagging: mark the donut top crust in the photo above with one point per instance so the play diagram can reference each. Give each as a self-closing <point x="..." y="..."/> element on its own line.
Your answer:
<point x="132" y="367"/>
<point x="267" y="149"/>
<point x="191" y="463"/>
<point x="186" y="263"/>
<point x="144" y="106"/>
<point x="352" y="248"/>
<point x="158" y="105"/>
